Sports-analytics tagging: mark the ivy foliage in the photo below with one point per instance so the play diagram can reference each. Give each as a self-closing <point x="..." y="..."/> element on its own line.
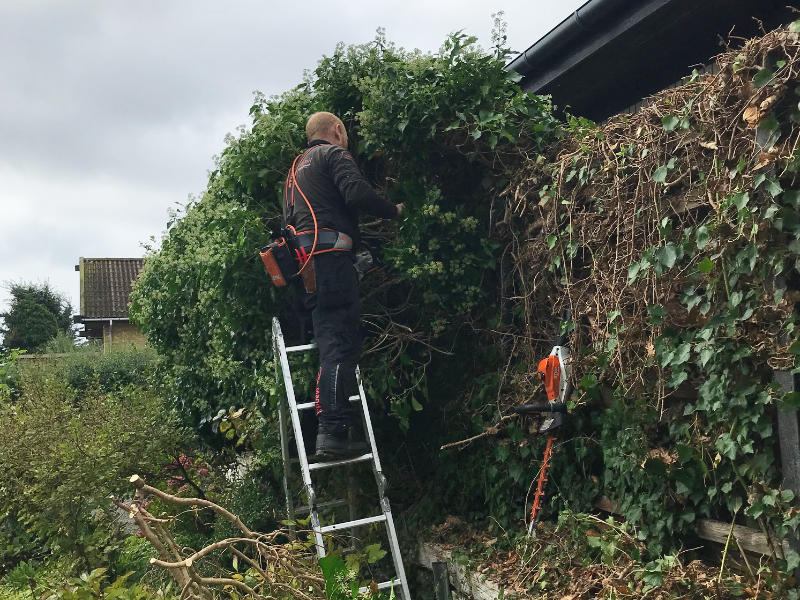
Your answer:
<point x="684" y="318"/>
<point x="440" y="132"/>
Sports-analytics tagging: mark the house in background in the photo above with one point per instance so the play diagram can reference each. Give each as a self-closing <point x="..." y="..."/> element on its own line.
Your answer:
<point x="105" y="289"/>
<point x="609" y="55"/>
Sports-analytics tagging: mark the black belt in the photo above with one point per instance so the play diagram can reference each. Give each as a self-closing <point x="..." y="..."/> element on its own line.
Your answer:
<point x="327" y="239"/>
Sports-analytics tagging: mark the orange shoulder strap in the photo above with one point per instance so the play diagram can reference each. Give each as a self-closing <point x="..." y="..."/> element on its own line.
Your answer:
<point x="291" y="182"/>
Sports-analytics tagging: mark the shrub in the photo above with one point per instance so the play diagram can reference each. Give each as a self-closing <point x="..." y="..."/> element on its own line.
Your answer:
<point x="443" y="130"/>
<point x="63" y="453"/>
<point x="91" y="368"/>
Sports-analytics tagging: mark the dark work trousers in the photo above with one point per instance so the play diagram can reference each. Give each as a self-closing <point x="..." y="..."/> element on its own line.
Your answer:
<point x="335" y="313"/>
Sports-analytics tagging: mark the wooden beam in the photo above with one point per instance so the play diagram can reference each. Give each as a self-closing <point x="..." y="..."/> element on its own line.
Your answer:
<point x="789" y="435"/>
<point x="750" y="539"/>
<point x="710" y="530"/>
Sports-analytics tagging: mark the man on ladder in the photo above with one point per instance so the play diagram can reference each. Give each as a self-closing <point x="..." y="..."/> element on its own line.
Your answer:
<point x="325" y="190"/>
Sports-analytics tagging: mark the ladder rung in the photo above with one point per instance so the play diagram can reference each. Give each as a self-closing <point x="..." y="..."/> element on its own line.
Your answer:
<point x="381" y="586"/>
<point x="329" y="504"/>
<point x="303" y="348"/>
<point x="350" y="524"/>
<point x="307" y="405"/>
<point x="336" y="463"/>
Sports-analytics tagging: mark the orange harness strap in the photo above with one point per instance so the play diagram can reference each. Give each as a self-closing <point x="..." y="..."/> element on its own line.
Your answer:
<point x="291" y="183"/>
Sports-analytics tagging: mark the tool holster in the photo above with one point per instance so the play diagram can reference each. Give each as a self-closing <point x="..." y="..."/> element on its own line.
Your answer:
<point x="309" y="276"/>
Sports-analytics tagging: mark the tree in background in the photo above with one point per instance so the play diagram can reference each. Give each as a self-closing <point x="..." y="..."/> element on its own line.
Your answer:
<point x="37" y="313"/>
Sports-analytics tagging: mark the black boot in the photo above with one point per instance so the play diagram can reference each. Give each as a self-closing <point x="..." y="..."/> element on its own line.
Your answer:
<point x="334" y="447"/>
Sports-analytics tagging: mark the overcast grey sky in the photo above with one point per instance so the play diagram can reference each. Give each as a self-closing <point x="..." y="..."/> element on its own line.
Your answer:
<point x="111" y="110"/>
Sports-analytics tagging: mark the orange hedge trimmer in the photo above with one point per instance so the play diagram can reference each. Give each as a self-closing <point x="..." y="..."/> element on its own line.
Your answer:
<point x="554" y="372"/>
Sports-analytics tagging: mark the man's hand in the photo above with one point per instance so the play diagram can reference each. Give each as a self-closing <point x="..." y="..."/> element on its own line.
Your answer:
<point x="400" y="208"/>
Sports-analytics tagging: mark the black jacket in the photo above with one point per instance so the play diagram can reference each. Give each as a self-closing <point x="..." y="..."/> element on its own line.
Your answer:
<point x="336" y="189"/>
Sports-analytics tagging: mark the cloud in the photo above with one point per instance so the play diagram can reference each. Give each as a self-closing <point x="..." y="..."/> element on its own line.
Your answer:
<point x="110" y="112"/>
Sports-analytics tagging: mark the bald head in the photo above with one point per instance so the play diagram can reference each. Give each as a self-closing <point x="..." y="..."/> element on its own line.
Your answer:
<point x="326" y="126"/>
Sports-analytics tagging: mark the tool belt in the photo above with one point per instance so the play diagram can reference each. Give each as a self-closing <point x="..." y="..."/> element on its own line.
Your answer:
<point x="292" y="252"/>
<point x="328" y="240"/>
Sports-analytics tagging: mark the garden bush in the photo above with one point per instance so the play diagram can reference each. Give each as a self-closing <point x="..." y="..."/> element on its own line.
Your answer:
<point x="63" y="452"/>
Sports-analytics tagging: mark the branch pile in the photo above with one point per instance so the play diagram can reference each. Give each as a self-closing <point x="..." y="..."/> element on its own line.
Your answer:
<point x="273" y="565"/>
<point x="584" y="557"/>
<point x="633" y="213"/>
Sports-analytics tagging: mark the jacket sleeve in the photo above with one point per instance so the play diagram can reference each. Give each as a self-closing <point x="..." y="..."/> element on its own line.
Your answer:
<point x="355" y="189"/>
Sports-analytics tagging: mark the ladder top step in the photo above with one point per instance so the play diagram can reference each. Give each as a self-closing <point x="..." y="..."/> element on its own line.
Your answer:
<point x="351" y="524"/>
<point x="315" y="466"/>
<point x="302" y="348"/>
<point x="307" y="405"/>
<point x="381" y="586"/>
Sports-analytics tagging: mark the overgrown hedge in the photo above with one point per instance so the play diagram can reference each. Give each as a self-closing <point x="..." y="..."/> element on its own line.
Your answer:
<point x="671" y="235"/>
<point x="674" y="236"/>
<point x="442" y="133"/>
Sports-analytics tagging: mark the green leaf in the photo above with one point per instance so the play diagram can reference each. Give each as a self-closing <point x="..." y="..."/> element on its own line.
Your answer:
<point x="735" y="299"/>
<point x="790" y="401"/>
<point x="401" y="126"/>
<point x="670" y="122"/>
<point x="551" y="241"/>
<point x="769" y="212"/>
<point x="774" y="188"/>
<point x="374" y="553"/>
<point x="660" y="174"/>
<point x="705" y="355"/>
<point x="416" y="405"/>
<point x="667" y="255"/>
<point x="763" y="77"/>
<point x="682" y="354"/>
<point x="332" y="566"/>
<point x="353" y="562"/>
<point x="792" y="557"/>
<point x="769" y="131"/>
<point x="726" y="446"/>
<point x="633" y="271"/>
<point x="657" y="313"/>
<point x="794" y="26"/>
<point x="740" y="199"/>
<point x="702" y="236"/>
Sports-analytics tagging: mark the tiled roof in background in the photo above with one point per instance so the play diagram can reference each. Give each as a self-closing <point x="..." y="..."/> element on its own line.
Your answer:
<point x="106" y="285"/>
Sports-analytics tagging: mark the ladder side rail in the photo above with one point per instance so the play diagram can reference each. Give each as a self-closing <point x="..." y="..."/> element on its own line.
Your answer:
<point x="285" y="454"/>
<point x="284" y="433"/>
<point x="298" y="434"/>
<point x="351" y="507"/>
<point x="368" y="426"/>
<point x="380" y="480"/>
<point x="394" y="546"/>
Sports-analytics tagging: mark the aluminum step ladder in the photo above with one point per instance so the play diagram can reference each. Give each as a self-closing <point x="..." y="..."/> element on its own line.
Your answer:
<point x="399" y="582"/>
